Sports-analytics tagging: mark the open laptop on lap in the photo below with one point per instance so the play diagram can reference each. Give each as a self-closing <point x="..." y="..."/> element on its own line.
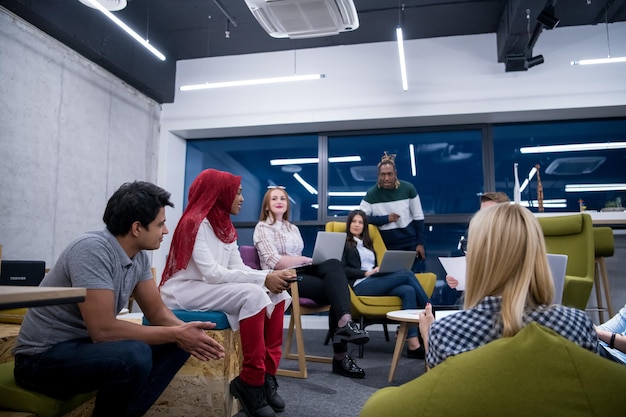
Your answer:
<point x="396" y="260"/>
<point x="558" y="265"/>
<point x="328" y="245"/>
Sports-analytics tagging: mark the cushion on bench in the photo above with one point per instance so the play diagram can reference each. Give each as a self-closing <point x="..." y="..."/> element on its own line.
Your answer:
<point x="217" y="317"/>
<point x="14" y="397"/>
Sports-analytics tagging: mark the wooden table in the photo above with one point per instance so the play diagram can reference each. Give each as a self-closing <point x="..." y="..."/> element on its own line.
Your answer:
<point x="23" y="296"/>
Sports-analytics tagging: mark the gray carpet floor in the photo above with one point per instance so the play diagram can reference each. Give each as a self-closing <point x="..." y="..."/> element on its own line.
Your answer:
<point x="324" y="393"/>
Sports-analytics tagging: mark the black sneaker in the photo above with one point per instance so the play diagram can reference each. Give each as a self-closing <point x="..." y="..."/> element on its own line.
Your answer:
<point x="251" y="398"/>
<point x="348" y="367"/>
<point x="352" y="334"/>
<point x="271" y="393"/>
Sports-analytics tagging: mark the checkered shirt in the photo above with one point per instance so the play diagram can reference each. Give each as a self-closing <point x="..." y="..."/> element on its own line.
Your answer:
<point x="477" y="326"/>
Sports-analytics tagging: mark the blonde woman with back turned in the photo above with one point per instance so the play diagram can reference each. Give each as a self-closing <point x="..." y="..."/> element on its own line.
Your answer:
<point x="508" y="285"/>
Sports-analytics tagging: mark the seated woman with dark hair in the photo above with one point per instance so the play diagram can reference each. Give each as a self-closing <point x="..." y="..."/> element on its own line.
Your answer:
<point x="360" y="263"/>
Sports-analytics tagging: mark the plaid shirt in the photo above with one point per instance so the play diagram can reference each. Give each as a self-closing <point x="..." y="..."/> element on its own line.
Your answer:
<point x="477" y="326"/>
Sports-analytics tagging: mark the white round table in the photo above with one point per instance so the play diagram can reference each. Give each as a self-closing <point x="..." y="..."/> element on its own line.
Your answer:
<point x="404" y="317"/>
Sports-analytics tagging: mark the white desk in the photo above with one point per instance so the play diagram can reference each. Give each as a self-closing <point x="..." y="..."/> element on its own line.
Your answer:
<point x="597" y="217"/>
<point x="22" y="296"/>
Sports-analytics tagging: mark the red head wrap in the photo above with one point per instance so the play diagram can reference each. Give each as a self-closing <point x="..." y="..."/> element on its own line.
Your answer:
<point x="211" y="195"/>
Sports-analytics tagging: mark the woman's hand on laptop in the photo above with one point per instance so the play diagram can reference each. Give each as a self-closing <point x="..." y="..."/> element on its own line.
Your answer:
<point x="371" y="271"/>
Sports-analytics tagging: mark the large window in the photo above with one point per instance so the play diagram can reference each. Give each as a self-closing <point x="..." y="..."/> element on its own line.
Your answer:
<point x="261" y="162"/>
<point x="445" y="167"/>
<point x="571" y="177"/>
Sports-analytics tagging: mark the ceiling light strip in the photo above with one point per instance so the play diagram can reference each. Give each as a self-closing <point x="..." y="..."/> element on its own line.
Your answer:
<point x="574" y="147"/>
<point x="257" y="81"/>
<point x="405" y="83"/>
<point x="575" y="188"/>
<point x="302" y="161"/>
<point x="608" y="60"/>
<point x="144" y="42"/>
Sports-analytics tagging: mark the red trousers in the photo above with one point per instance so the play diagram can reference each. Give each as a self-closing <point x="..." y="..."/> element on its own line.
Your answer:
<point x="261" y="342"/>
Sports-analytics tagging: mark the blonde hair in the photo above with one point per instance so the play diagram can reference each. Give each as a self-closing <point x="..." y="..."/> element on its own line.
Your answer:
<point x="506" y="256"/>
<point x="265" y="206"/>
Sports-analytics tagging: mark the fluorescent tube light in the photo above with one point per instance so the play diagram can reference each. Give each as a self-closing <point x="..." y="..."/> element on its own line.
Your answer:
<point x="556" y="203"/>
<point x="334" y="159"/>
<point x="405" y="83"/>
<point x="302" y="161"/>
<point x="346" y="193"/>
<point x="608" y="60"/>
<point x="346" y="208"/>
<point x="531" y="174"/>
<point x="305" y="184"/>
<point x="412" y="153"/>
<point x="574" y="147"/>
<point x="575" y="188"/>
<point x="144" y="42"/>
<point x="258" y="81"/>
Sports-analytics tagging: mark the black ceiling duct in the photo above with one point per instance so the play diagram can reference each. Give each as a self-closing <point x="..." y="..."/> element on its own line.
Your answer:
<point x="547" y="17"/>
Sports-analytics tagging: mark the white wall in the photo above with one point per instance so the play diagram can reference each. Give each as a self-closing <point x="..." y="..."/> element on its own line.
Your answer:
<point x="71" y="135"/>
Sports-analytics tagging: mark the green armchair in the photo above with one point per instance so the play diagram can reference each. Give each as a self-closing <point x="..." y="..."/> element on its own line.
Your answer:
<point x="572" y="235"/>
<point x="534" y="373"/>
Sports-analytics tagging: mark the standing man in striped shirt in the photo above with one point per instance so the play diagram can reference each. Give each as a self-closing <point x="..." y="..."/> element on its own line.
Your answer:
<point x="394" y="206"/>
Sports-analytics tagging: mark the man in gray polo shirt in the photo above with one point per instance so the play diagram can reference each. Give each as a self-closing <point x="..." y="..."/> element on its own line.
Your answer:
<point x="64" y="350"/>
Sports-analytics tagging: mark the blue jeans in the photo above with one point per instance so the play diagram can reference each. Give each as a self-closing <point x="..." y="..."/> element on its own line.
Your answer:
<point x="128" y="374"/>
<point x="402" y="284"/>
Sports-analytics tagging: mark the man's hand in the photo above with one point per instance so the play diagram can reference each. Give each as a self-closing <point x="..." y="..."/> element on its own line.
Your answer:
<point x="393" y="217"/>
<point x="420" y="253"/>
<point x="277" y="281"/>
<point x="192" y="338"/>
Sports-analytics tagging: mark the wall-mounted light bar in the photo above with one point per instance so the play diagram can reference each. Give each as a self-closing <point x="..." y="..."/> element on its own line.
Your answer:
<point x="257" y="81"/>
<point x="346" y="193"/>
<point x="555" y="203"/>
<point x="302" y="161"/>
<point x="576" y="188"/>
<point x="144" y="42"/>
<point x="577" y="147"/>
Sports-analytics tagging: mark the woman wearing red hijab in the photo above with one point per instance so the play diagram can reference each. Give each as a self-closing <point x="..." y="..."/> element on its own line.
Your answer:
<point x="204" y="271"/>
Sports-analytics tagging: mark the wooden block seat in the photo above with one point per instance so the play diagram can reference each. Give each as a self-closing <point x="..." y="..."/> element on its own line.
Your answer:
<point x="201" y="389"/>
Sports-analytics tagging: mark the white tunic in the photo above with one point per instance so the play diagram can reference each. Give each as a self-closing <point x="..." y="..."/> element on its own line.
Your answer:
<point x="216" y="279"/>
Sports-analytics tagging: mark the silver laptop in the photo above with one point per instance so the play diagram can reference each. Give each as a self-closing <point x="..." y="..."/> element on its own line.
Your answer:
<point x="558" y="265"/>
<point x="396" y="260"/>
<point x="328" y="245"/>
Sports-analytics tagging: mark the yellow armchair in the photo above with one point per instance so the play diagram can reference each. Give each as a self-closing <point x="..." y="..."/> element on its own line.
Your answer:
<point x="373" y="309"/>
<point x="572" y="235"/>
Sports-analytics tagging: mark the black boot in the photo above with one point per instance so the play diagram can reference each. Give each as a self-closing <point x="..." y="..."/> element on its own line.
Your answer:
<point x="352" y="334"/>
<point x="271" y="393"/>
<point x="251" y="398"/>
